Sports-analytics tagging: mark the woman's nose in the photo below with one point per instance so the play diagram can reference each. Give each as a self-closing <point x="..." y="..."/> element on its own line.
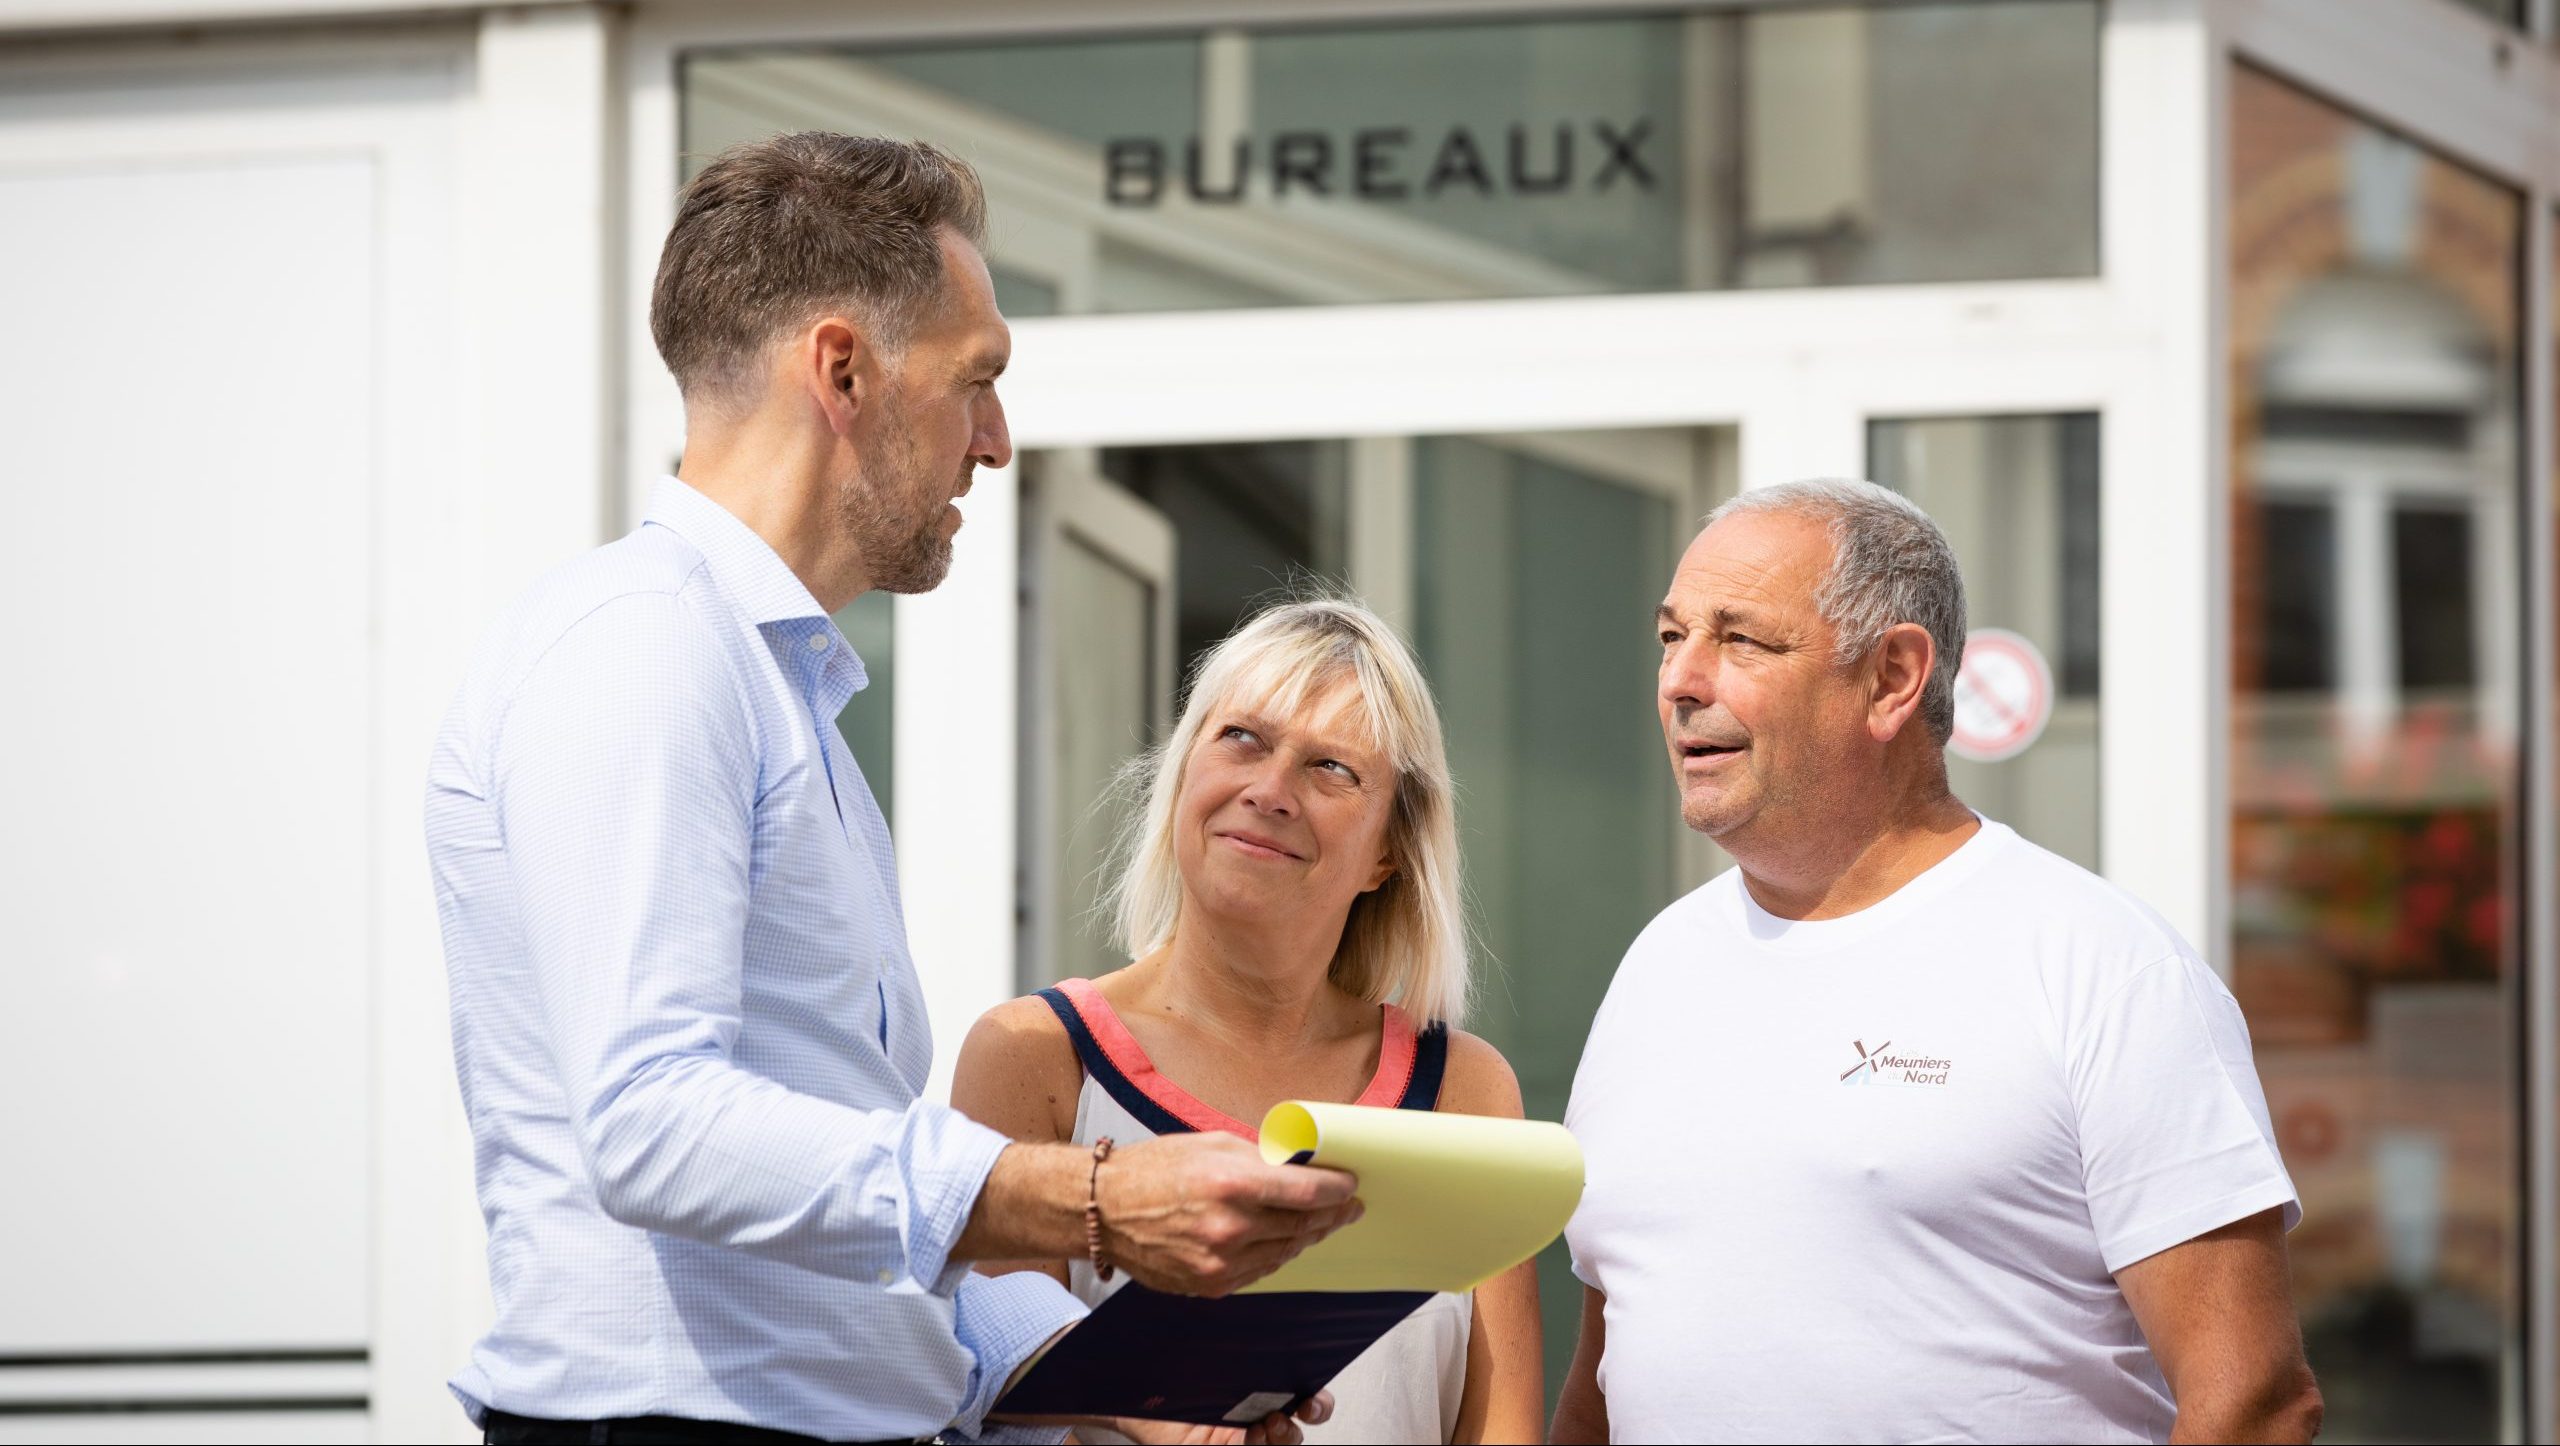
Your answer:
<point x="1268" y="792"/>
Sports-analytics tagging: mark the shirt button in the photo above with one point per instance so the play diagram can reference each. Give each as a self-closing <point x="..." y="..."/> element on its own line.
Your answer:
<point x="817" y="642"/>
<point x="887" y="1276"/>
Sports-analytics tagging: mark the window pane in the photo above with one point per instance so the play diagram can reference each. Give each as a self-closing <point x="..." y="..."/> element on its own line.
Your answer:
<point x="1535" y="577"/>
<point x="2296" y="552"/>
<point x="1253" y="518"/>
<point x="1528" y="568"/>
<point x="865" y="722"/>
<point x="2018" y="500"/>
<point x="2374" y="312"/>
<point x="2431" y="583"/>
<point x="2510" y="11"/>
<point x="1482" y="158"/>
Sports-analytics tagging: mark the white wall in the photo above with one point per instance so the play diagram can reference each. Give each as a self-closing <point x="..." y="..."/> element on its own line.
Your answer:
<point x="305" y="355"/>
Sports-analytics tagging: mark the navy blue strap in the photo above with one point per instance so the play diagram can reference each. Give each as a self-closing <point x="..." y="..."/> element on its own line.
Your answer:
<point x="1097" y="1064"/>
<point x="1430" y="1063"/>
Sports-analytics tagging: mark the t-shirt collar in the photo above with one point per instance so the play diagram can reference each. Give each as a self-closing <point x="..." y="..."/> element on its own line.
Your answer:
<point x="1818" y="934"/>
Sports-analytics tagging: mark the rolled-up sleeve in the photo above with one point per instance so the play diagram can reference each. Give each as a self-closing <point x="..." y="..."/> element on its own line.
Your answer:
<point x="1001" y="1321"/>
<point x="625" y="784"/>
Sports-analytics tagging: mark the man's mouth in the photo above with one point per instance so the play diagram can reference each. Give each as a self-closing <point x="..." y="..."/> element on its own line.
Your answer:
<point x="1710" y="750"/>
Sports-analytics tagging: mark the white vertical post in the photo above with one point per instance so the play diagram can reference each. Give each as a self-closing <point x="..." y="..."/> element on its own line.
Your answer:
<point x="1381" y="561"/>
<point x="2165" y="703"/>
<point x="543" y="243"/>
<point x="533" y="438"/>
<point x="956" y="730"/>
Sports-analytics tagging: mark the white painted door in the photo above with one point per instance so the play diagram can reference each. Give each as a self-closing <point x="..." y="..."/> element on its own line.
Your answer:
<point x="226" y="364"/>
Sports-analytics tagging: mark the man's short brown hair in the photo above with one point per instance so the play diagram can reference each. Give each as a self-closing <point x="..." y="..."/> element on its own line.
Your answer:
<point x="776" y="232"/>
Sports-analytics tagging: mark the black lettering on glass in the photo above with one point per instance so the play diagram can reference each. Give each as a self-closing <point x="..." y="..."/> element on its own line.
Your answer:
<point x="1459" y="160"/>
<point x="1623" y="153"/>
<point x="1132" y="173"/>
<point x="1554" y="180"/>
<point x="1235" y="184"/>
<point x="1305" y="156"/>
<point x="1373" y="157"/>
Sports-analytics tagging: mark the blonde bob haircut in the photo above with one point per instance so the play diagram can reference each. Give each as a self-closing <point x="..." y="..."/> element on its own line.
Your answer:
<point x="1405" y="941"/>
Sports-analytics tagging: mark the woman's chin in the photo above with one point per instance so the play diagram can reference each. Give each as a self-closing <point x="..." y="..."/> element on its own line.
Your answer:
<point x="1250" y="902"/>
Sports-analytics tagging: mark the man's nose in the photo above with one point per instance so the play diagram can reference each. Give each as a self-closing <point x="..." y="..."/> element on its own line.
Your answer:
<point x="1689" y="674"/>
<point x="993" y="445"/>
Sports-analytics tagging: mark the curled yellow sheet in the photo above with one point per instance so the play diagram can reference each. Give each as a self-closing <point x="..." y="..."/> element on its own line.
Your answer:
<point x="1453" y="1200"/>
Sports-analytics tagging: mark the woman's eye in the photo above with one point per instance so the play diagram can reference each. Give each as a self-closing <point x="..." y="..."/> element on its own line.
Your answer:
<point x="1338" y="766"/>
<point x="1237" y="733"/>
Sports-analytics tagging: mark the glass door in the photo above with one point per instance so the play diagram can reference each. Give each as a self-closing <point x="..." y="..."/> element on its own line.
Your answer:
<point x="1098" y="608"/>
<point x="1524" y="567"/>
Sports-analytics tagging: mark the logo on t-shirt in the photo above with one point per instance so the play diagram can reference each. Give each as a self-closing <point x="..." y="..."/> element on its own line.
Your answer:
<point x="1880" y="1067"/>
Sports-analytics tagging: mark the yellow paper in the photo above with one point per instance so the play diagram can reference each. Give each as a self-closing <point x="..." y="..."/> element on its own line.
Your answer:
<point x="1452" y="1200"/>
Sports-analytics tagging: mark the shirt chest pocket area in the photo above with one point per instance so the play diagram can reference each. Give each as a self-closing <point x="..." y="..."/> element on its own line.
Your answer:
<point x="1941" y="1124"/>
<point x="819" y="911"/>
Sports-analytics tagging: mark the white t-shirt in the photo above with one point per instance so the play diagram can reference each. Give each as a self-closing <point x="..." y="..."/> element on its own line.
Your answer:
<point x="1867" y="1179"/>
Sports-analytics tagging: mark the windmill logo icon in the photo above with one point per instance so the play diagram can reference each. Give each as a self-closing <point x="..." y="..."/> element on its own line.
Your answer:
<point x="1865" y="1071"/>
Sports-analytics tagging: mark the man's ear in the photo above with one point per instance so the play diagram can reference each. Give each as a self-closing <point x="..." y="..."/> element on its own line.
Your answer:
<point x="834" y="362"/>
<point x="1903" y="659"/>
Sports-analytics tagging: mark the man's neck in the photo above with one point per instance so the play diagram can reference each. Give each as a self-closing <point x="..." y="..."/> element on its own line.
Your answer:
<point x="776" y="487"/>
<point x="1857" y="863"/>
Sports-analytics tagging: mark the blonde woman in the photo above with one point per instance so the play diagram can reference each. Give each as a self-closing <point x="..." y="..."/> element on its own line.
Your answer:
<point x="1291" y="900"/>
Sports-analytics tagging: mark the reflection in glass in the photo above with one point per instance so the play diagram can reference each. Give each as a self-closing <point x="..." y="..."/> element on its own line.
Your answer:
<point x="1535" y="580"/>
<point x="2375" y="710"/>
<point x="1531" y="565"/>
<point x="1484" y="158"/>
<point x="1254" y="518"/>
<point x="1106" y="710"/>
<point x="2018" y="500"/>
<point x="2509" y="11"/>
<point x="865" y="722"/>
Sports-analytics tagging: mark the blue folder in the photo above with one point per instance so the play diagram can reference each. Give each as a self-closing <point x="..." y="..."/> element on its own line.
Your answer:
<point x="1222" y="1362"/>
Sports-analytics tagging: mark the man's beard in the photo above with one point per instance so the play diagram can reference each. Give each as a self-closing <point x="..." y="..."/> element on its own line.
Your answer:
<point x="894" y="511"/>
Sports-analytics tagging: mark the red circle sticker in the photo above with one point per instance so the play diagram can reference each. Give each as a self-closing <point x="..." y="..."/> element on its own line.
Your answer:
<point x="2004" y="697"/>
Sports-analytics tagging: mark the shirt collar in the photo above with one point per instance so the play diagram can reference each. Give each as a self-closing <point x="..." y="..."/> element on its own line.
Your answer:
<point x="764" y="588"/>
<point x="747" y="568"/>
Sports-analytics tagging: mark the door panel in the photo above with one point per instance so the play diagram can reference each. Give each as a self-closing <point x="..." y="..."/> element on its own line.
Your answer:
<point x="1099" y="577"/>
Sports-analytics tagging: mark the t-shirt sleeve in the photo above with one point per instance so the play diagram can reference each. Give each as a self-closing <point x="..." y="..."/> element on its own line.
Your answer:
<point x="2174" y="1134"/>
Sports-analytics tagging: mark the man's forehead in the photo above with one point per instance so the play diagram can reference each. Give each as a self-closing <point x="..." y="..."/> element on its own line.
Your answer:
<point x="1755" y="560"/>
<point x="968" y="312"/>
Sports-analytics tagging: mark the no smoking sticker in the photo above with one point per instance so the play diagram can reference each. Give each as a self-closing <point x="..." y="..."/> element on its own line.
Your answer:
<point x="2004" y="697"/>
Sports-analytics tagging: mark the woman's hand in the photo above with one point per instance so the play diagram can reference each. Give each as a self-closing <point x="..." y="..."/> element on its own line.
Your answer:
<point x="1272" y="1430"/>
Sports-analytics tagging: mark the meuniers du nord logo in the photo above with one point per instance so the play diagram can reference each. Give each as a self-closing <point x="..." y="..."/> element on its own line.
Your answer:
<point x="1877" y="1067"/>
<point x="1385" y="163"/>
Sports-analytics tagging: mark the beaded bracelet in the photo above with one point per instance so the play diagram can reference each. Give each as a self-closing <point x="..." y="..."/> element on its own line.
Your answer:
<point x="1093" y="1210"/>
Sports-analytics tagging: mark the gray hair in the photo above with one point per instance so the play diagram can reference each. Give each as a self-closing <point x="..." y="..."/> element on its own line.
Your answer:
<point x="1889" y="565"/>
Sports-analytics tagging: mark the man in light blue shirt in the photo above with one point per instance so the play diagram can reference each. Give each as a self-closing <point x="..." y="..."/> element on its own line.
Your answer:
<point x="689" y="1035"/>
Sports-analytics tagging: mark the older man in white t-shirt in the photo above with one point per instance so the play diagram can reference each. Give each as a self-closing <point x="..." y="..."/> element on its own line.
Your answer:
<point x="1905" y="1129"/>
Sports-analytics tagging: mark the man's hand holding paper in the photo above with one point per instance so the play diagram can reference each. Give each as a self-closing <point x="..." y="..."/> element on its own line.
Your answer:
<point x="1206" y="1231"/>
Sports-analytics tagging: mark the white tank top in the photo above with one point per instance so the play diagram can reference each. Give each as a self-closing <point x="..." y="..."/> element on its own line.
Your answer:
<point x="1404" y="1388"/>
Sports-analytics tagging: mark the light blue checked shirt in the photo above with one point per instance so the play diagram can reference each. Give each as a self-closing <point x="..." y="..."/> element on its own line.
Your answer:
<point x="689" y="1034"/>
